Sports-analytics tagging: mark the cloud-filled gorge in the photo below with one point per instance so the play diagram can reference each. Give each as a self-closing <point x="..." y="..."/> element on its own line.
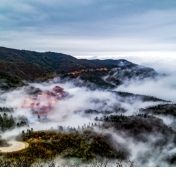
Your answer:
<point x="140" y="128"/>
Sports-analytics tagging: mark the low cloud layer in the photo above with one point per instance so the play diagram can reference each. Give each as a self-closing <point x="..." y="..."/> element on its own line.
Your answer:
<point x="149" y="150"/>
<point x="70" y="111"/>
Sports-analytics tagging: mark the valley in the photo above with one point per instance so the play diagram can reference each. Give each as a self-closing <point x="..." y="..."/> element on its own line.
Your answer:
<point x="67" y="109"/>
<point x="87" y="83"/>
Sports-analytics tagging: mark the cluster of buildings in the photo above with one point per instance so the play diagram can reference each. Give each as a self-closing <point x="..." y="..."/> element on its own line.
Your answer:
<point x="116" y="68"/>
<point x="44" y="103"/>
<point x="87" y="70"/>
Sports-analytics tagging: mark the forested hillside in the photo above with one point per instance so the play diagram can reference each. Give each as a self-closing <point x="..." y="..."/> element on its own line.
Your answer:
<point x="18" y="65"/>
<point x="30" y="64"/>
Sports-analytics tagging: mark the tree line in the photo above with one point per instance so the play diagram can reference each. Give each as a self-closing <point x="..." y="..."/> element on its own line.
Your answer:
<point x="5" y="109"/>
<point x="9" y="122"/>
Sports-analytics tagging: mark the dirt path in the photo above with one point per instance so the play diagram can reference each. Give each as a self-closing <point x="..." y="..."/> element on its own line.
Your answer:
<point x="15" y="146"/>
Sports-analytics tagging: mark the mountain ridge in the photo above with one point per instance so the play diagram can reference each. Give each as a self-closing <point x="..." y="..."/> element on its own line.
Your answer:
<point x="15" y="62"/>
<point x="28" y="65"/>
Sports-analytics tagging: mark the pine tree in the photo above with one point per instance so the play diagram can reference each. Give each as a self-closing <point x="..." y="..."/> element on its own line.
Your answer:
<point x="5" y="116"/>
<point x="78" y="127"/>
<point x="1" y="120"/>
<point x="11" y="121"/>
<point x="96" y="118"/>
<point x="60" y="128"/>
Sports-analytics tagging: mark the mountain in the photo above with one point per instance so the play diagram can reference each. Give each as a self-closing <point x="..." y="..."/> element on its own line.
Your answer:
<point x="17" y="65"/>
<point x="119" y="63"/>
<point x="36" y="64"/>
<point x="135" y="72"/>
<point x="30" y="64"/>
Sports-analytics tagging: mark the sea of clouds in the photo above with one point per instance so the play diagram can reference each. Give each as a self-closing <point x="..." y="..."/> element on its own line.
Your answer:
<point x="70" y="110"/>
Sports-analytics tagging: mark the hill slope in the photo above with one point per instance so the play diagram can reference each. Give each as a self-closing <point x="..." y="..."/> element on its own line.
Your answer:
<point x="30" y="65"/>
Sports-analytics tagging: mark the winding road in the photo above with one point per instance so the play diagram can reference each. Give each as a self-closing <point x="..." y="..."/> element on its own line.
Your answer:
<point x="14" y="146"/>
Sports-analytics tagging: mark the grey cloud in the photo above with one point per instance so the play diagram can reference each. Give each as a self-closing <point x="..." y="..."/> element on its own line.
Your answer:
<point x="88" y="27"/>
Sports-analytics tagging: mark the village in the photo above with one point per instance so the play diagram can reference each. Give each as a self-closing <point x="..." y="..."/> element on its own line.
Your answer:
<point x="90" y="70"/>
<point x="44" y="103"/>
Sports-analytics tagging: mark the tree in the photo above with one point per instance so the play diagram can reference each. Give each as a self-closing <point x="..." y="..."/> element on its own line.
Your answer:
<point x="60" y="128"/>
<point x="11" y="121"/>
<point x="78" y="127"/>
<point x="96" y="119"/>
<point x="5" y="116"/>
<point x="1" y="120"/>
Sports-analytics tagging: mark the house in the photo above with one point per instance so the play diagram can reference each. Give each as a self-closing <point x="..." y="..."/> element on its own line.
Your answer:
<point x="116" y="68"/>
<point x="77" y="72"/>
<point x="58" y="89"/>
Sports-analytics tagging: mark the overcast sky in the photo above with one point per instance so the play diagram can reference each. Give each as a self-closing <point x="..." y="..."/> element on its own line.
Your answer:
<point x="90" y="27"/>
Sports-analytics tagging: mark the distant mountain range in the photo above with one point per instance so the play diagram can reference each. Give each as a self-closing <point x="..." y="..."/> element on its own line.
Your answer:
<point x="17" y="65"/>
